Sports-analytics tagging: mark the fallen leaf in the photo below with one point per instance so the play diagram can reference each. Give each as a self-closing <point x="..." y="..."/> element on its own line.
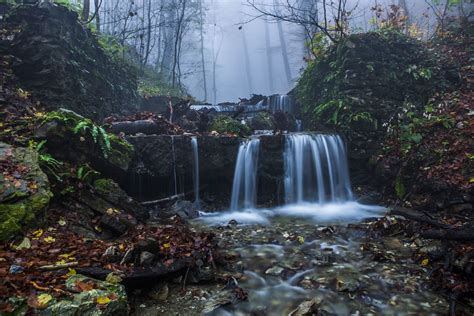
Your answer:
<point x="102" y="300"/>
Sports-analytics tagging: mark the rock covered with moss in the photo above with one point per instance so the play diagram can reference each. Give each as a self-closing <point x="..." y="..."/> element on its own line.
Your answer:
<point x="62" y="63"/>
<point x="224" y="124"/>
<point x="362" y="82"/>
<point x="73" y="138"/>
<point x="262" y="121"/>
<point x="24" y="189"/>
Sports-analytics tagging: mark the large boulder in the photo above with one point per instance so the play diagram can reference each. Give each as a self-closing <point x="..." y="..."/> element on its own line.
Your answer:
<point x="24" y="189"/>
<point x="61" y="62"/>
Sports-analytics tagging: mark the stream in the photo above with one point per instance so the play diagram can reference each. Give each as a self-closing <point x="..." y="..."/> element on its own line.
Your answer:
<point x="289" y="261"/>
<point x="315" y="254"/>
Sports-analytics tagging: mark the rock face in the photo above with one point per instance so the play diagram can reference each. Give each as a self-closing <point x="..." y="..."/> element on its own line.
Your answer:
<point x="73" y="138"/>
<point x="62" y="64"/>
<point x="159" y="158"/>
<point x="24" y="189"/>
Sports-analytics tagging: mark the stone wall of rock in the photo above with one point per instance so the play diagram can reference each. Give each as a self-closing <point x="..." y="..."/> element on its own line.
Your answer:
<point x="157" y="158"/>
<point x="61" y="63"/>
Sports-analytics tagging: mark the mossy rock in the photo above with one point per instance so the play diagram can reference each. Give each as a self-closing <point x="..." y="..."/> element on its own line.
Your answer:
<point x="262" y="121"/>
<point x="104" y="299"/>
<point x="224" y="124"/>
<point x="24" y="189"/>
<point x="76" y="139"/>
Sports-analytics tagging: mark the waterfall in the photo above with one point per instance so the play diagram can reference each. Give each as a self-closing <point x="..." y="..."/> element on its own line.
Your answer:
<point x="244" y="188"/>
<point x="194" y="144"/>
<point x="316" y="169"/>
<point x="282" y="103"/>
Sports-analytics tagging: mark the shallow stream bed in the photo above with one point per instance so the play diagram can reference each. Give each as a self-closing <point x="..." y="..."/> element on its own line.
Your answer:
<point x="296" y="264"/>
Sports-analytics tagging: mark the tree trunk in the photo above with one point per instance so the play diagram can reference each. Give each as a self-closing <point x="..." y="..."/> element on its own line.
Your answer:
<point x="97" y="15"/>
<point x="86" y="7"/>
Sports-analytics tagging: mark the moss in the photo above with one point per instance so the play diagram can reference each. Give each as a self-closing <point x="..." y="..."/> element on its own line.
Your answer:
<point x="225" y="124"/>
<point x="104" y="185"/>
<point x="263" y="121"/>
<point x="121" y="152"/>
<point x="365" y="79"/>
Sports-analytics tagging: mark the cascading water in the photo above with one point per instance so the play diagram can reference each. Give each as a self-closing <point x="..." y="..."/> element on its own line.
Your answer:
<point x="194" y="144"/>
<point x="316" y="169"/>
<point x="244" y="188"/>
<point x="282" y="103"/>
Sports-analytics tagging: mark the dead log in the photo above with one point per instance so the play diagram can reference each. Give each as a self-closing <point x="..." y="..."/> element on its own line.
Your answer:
<point x="418" y="217"/>
<point x="147" y="127"/>
<point x="458" y="234"/>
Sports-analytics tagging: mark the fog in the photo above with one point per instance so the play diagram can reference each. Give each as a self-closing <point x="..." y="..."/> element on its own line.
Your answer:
<point x="225" y="44"/>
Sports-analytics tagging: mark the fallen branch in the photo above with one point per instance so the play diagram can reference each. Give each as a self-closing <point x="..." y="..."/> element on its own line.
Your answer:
<point x="58" y="266"/>
<point x="418" y="218"/>
<point x="458" y="234"/>
<point x="168" y="199"/>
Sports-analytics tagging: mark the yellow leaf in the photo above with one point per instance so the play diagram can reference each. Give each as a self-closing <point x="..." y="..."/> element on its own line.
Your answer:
<point x="301" y="239"/>
<point x="38" y="233"/>
<point x="49" y="239"/>
<point x="121" y="247"/>
<point x="71" y="272"/>
<point x="167" y="245"/>
<point x="62" y="222"/>
<point x="97" y="228"/>
<point x="102" y="300"/>
<point x="425" y="262"/>
<point x="44" y="299"/>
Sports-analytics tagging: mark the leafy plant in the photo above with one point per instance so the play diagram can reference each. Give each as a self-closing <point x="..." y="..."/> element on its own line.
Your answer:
<point x="98" y="134"/>
<point x="86" y="174"/>
<point x="46" y="161"/>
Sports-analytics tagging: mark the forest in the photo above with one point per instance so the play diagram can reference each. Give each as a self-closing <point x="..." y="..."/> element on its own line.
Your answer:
<point x="236" y="157"/>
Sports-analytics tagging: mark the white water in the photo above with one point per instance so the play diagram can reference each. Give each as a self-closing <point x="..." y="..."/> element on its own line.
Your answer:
<point x="317" y="184"/>
<point x="194" y="144"/>
<point x="244" y="188"/>
<point x="316" y="169"/>
<point x="282" y="103"/>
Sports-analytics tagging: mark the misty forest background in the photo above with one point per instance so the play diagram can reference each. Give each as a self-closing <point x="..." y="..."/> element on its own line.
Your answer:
<point x="219" y="50"/>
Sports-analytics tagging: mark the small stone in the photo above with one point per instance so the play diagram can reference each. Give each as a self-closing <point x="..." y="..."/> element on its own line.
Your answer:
<point x="146" y="258"/>
<point x="15" y="269"/>
<point x="274" y="271"/>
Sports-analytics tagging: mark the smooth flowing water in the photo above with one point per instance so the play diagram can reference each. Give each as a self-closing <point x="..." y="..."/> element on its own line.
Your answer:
<point x="316" y="169"/>
<point x="244" y="188"/>
<point x="283" y="103"/>
<point x="195" y="146"/>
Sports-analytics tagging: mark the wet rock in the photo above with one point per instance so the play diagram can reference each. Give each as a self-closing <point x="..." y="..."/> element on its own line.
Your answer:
<point x="307" y="308"/>
<point x="185" y="209"/>
<point x="24" y="189"/>
<point x="231" y="294"/>
<point x="274" y="270"/>
<point x="146" y="258"/>
<point x="347" y="282"/>
<point x="159" y="292"/>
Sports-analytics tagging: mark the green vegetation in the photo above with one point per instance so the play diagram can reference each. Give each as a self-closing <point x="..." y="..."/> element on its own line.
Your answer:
<point x="227" y="125"/>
